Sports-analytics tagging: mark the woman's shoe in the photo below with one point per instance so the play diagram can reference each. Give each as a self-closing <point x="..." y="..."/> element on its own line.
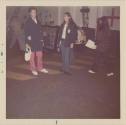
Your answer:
<point x="110" y="74"/>
<point x="44" y="70"/>
<point x="91" y="71"/>
<point x="61" y="70"/>
<point x="67" y="73"/>
<point x="35" y="73"/>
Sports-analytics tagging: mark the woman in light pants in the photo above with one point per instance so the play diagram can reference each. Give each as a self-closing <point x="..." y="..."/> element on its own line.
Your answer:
<point x="66" y="38"/>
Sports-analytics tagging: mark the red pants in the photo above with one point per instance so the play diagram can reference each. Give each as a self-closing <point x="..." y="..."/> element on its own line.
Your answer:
<point x="36" y="60"/>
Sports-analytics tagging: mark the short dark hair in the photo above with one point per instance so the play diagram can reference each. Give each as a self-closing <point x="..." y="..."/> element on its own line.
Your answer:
<point x="68" y="14"/>
<point x="32" y="8"/>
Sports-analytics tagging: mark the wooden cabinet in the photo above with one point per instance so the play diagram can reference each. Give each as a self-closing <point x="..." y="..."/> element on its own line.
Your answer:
<point x="50" y="34"/>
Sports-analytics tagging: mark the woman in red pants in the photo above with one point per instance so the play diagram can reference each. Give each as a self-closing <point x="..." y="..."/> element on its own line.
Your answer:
<point x="33" y="37"/>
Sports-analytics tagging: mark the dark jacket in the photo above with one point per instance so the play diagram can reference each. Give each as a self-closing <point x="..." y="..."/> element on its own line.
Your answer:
<point x="34" y="30"/>
<point x="71" y="36"/>
<point x="103" y="40"/>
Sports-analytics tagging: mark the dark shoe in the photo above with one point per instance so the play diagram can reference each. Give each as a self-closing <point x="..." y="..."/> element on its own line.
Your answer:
<point x="61" y="70"/>
<point x="67" y="73"/>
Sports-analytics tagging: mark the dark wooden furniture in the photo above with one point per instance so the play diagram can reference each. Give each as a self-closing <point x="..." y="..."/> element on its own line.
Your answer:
<point x="50" y="34"/>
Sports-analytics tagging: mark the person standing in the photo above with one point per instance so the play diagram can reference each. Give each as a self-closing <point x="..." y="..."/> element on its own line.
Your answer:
<point x="17" y="33"/>
<point x="34" y="39"/>
<point x="103" y="42"/>
<point x="66" y="39"/>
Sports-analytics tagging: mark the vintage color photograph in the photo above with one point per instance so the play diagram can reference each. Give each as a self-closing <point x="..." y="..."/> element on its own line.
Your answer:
<point x="63" y="62"/>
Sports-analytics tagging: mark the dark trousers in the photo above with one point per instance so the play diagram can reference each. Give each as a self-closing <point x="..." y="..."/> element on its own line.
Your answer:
<point x="67" y="57"/>
<point x="102" y="58"/>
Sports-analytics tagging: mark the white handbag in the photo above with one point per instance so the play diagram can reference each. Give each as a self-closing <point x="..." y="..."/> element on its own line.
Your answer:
<point x="27" y="55"/>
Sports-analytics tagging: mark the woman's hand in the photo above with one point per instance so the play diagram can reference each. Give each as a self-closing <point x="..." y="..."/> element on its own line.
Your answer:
<point x="71" y="45"/>
<point x="58" y="49"/>
<point x="27" y="45"/>
<point x="58" y="46"/>
<point x="29" y="38"/>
